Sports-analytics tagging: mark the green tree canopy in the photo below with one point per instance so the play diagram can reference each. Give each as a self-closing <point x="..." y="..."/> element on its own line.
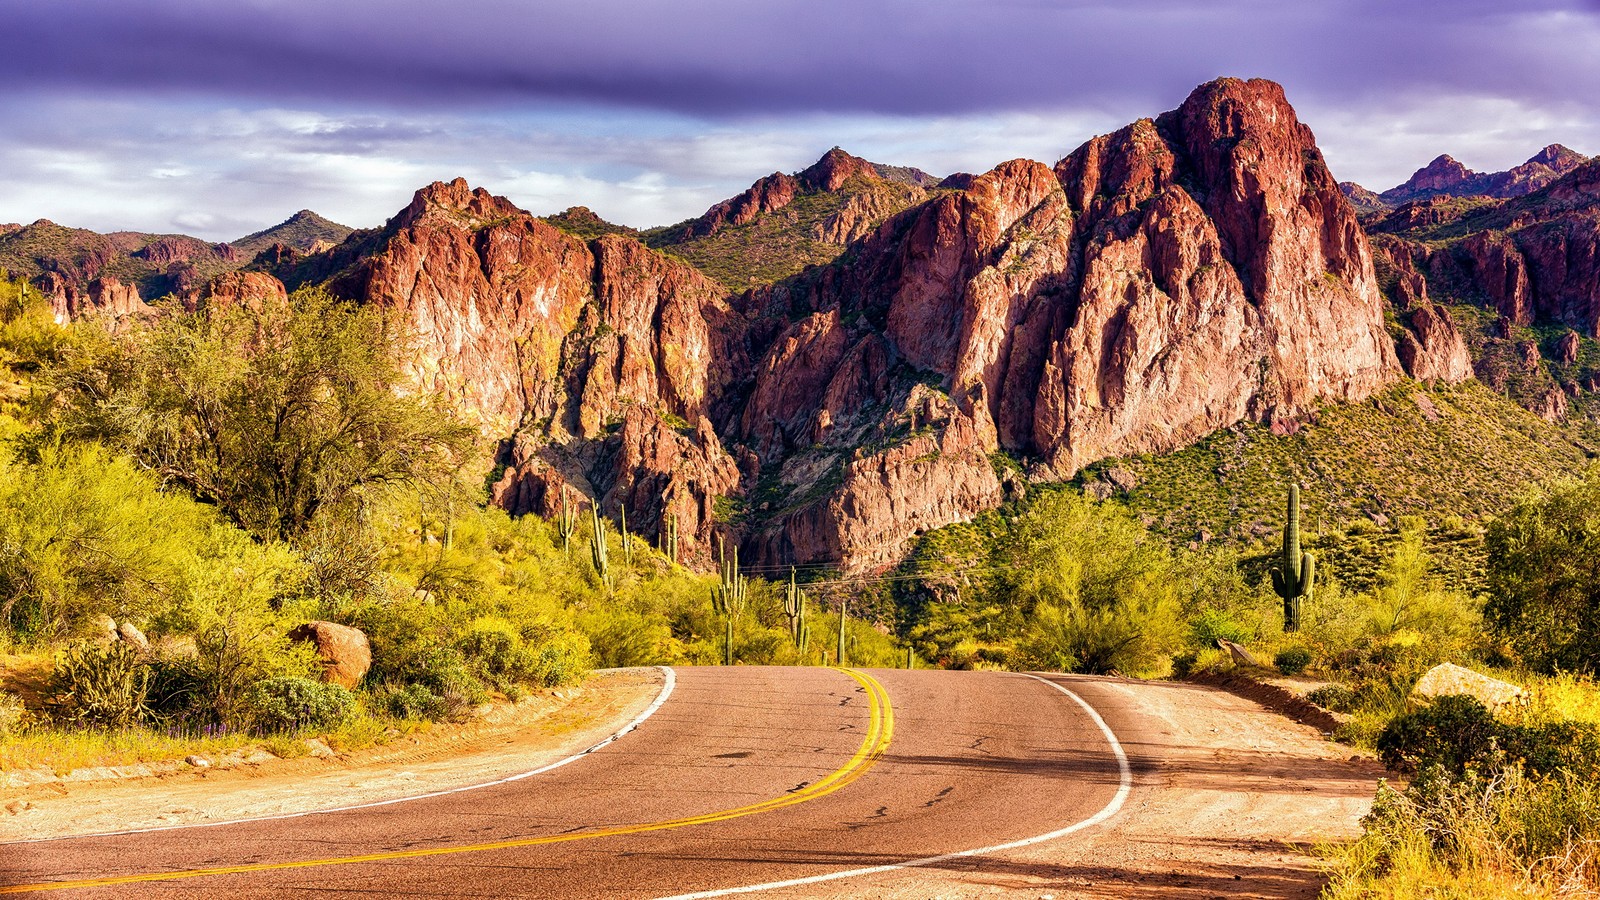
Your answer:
<point x="278" y="413"/>
<point x="1544" y="576"/>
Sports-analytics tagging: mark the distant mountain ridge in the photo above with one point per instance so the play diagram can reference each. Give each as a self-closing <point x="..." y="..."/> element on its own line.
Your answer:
<point x="1447" y="177"/>
<point x="77" y="267"/>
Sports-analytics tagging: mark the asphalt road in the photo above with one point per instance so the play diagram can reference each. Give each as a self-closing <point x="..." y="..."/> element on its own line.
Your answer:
<point x="744" y="776"/>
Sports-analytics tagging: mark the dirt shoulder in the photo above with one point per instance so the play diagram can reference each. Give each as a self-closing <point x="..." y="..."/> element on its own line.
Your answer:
<point x="1229" y="800"/>
<point x="511" y="738"/>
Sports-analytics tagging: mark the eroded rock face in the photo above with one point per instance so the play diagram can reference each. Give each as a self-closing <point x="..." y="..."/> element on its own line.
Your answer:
<point x="1432" y="350"/>
<point x="1161" y="282"/>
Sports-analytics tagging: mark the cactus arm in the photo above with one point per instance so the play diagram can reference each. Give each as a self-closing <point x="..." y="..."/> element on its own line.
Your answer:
<point x="1308" y="574"/>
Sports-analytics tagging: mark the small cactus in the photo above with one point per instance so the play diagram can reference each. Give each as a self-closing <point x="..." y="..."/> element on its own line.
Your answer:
<point x="844" y="616"/>
<point x="1295" y="574"/>
<point x="627" y="545"/>
<point x="667" y="536"/>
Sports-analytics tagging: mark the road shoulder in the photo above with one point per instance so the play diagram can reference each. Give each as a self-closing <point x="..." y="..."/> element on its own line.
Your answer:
<point x="513" y="739"/>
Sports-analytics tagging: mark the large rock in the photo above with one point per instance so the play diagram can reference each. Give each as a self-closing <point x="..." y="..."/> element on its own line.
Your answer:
<point x="1447" y="678"/>
<point x="1432" y="350"/>
<point x="346" y="656"/>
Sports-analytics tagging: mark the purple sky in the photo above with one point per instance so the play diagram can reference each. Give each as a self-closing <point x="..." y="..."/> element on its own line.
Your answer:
<point x="218" y="118"/>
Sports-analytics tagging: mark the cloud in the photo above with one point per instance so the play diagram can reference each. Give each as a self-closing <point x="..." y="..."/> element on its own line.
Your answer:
<point x="222" y="118"/>
<point x="722" y="58"/>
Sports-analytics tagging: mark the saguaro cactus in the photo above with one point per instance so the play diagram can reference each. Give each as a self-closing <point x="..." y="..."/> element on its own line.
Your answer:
<point x="728" y="597"/>
<point x="566" y="523"/>
<point x="627" y="543"/>
<point x="1295" y="574"/>
<point x="597" y="546"/>
<point x="794" y="606"/>
<point x="667" y="537"/>
<point x="844" y="616"/>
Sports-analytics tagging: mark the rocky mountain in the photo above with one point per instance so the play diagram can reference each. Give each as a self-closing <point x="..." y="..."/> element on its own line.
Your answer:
<point x="1523" y="275"/>
<point x="1446" y="177"/>
<point x="82" y="270"/>
<point x="951" y="343"/>
<point x="784" y="223"/>
<point x="1179" y="276"/>
<point x="305" y="231"/>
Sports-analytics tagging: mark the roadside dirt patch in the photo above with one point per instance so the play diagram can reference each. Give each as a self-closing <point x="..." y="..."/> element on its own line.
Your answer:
<point x="1229" y="798"/>
<point x="512" y="738"/>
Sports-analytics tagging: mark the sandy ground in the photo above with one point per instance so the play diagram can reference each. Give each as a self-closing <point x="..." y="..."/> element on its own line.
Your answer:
<point x="511" y="739"/>
<point x="1229" y="802"/>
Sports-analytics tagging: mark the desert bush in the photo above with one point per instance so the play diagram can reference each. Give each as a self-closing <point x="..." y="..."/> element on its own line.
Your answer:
<point x="1455" y="732"/>
<point x="412" y="701"/>
<point x="276" y="413"/>
<point x="1102" y="591"/>
<point x="83" y="533"/>
<point x="1336" y="697"/>
<point x="1212" y="625"/>
<point x="99" y="686"/>
<point x="286" y="704"/>
<point x="1292" y="660"/>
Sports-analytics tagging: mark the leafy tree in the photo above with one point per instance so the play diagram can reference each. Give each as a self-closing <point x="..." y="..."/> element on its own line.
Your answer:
<point x="277" y="413"/>
<point x="1544" y="576"/>
<point x="86" y="533"/>
<point x="1101" y="592"/>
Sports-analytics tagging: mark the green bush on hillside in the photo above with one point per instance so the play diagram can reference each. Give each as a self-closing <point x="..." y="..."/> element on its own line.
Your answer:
<point x="287" y="704"/>
<point x="1544" y="590"/>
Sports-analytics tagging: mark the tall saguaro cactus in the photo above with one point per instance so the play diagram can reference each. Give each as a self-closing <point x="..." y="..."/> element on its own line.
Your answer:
<point x="1295" y="574"/>
<point x="844" y="616"/>
<point x="597" y="545"/>
<point x="566" y="523"/>
<point x="728" y="598"/>
<point x="794" y="606"/>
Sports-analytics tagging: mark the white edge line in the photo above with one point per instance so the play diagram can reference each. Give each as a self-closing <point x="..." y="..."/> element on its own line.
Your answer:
<point x="1124" y="788"/>
<point x="669" y="681"/>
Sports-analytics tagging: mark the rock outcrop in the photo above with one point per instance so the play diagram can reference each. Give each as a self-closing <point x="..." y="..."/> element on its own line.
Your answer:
<point x="1432" y="349"/>
<point x="65" y="263"/>
<point x="343" y="651"/>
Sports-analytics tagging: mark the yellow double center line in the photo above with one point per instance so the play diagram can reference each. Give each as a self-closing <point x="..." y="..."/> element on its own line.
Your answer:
<point x="880" y="729"/>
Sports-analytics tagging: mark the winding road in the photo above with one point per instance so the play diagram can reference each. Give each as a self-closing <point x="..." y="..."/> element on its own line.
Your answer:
<point x="738" y="780"/>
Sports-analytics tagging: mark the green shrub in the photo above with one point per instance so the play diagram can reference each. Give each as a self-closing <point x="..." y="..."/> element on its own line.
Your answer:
<point x="99" y="686"/>
<point x="291" y="704"/>
<point x="1455" y="732"/>
<point x="1336" y="697"/>
<point x="414" y="701"/>
<point x="1292" y="660"/>
<point x="1213" y="625"/>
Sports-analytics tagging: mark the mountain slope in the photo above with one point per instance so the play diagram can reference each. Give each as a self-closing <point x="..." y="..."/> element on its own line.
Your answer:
<point x="304" y="231"/>
<point x="1446" y="177"/>
<point x="784" y="223"/>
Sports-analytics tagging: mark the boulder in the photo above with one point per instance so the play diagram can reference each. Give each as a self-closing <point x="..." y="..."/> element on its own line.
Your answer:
<point x="346" y="655"/>
<point x="1241" y="656"/>
<point x="1446" y="679"/>
<point x="133" y="637"/>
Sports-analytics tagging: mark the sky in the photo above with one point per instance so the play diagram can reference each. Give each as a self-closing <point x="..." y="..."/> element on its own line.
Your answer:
<point x="221" y="118"/>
